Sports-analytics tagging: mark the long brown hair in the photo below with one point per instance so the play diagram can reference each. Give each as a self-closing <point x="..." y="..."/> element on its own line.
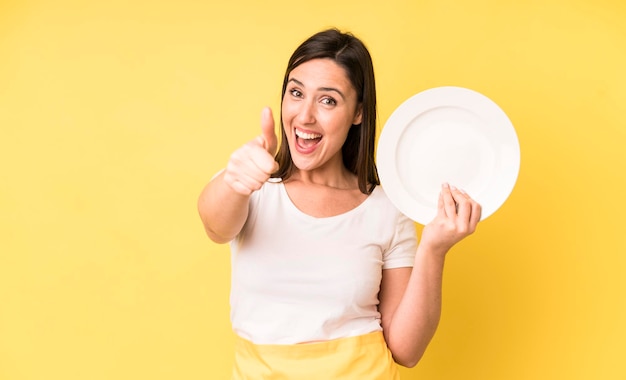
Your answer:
<point x="351" y="54"/>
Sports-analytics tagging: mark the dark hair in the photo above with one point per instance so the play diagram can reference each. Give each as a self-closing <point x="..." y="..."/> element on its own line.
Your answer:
<point x="358" y="150"/>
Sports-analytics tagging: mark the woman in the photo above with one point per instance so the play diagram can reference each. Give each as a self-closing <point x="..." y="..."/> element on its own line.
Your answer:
<point x="327" y="278"/>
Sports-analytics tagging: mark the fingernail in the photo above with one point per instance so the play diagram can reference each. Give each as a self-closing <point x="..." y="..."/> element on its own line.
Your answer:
<point x="462" y="191"/>
<point x="266" y="112"/>
<point x="445" y="185"/>
<point x="453" y="187"/>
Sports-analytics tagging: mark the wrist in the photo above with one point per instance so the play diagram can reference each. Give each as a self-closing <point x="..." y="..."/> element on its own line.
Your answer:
<point x="434" y="254"/>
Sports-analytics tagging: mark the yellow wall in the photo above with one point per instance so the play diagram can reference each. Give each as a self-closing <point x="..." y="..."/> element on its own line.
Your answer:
<point x="114" y="114"/>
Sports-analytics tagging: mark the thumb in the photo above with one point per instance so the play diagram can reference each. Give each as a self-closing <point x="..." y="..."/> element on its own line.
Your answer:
<point x="270" y="141"/>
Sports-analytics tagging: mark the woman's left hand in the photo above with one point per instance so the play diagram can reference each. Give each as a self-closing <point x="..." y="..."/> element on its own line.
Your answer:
<point x="457" y="217"/>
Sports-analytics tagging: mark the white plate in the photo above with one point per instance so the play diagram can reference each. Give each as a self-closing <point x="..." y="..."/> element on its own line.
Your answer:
<point x="447" y="134"/>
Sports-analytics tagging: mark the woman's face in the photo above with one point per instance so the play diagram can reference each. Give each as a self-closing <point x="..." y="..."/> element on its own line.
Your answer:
<point x="319" y="108"/>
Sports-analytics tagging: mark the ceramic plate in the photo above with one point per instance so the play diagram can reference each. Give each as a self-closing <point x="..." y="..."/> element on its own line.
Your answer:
<point x="447" y="134"/>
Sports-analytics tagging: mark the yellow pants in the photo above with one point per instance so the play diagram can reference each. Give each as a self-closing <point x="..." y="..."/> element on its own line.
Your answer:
<point x="364" y="357"/>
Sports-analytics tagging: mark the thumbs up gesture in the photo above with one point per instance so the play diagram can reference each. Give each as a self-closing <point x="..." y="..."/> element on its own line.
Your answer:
<point x="252" y="164"/>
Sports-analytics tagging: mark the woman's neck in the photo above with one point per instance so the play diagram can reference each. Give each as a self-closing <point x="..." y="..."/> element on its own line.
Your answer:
<point x="339" y="178"/>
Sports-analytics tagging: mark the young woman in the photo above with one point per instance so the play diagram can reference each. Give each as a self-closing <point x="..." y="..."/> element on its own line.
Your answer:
<point x="328" y="281"/>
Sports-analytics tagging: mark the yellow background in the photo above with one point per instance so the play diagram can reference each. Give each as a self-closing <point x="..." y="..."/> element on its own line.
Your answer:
<point x="114" y="114"/>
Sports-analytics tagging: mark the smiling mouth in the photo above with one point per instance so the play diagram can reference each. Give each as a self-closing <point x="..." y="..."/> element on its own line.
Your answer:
<point x="306" y="140"/>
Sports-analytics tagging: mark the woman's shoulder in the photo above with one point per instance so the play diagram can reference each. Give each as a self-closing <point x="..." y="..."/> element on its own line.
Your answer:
<point x="380" y="200"/>
<point x="271" y="186"/>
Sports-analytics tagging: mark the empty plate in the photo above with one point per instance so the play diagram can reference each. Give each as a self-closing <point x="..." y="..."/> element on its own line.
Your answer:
<point x="447" y="134"/>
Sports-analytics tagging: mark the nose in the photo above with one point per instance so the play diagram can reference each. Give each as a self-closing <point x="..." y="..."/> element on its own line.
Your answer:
<point x="306" y="112"/>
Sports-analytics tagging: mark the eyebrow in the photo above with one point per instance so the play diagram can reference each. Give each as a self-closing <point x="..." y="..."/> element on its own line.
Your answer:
<point x="320" y="88"/>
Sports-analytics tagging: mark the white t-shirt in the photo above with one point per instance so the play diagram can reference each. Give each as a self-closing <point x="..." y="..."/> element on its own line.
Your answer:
<point x="297" y="278"/>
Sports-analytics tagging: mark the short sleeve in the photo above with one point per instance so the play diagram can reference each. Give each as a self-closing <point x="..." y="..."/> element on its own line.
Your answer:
<point x="403" y="246"/>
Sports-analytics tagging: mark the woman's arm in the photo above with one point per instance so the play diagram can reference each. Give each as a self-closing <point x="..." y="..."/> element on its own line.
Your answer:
<point x="222" y="210"/>
<point x="223" y="203"/>
<point x="410" y="299"/>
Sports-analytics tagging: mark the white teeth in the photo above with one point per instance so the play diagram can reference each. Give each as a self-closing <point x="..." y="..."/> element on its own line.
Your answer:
<point x="307" y="136"/>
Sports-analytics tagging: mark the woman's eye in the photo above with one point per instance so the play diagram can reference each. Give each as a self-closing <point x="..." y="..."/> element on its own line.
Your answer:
<point x="329" y="101"/>
<point x="295" y="92"/>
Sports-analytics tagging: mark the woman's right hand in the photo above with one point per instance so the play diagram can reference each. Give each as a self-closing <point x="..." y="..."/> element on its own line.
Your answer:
<point x="252" y="164"/>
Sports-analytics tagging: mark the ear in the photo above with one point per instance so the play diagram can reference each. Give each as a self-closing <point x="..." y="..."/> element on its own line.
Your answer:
<point x="358" y="115"/>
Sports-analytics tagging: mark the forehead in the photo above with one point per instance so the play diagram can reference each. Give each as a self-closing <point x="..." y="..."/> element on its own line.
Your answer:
<point x="321" y="72"/>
